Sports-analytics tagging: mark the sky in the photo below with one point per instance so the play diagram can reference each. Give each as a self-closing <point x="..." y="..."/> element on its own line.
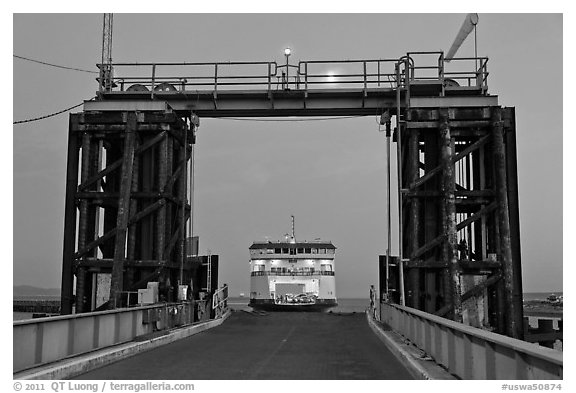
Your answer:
<point x="252" y="176"/>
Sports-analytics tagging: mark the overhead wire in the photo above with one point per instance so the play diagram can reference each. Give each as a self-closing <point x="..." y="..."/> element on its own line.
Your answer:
<point x="54" y="65"/>
<point x="47" y="116"/>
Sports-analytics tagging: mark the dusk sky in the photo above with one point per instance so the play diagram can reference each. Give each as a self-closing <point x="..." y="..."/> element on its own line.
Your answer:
<point x="252" y="176"/>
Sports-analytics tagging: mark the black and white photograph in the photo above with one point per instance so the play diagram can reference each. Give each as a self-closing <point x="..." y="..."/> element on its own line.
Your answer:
<point x="264" y="195"/>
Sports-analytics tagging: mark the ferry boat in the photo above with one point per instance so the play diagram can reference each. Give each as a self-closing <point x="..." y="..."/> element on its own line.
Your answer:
<point x="292" y="275"/>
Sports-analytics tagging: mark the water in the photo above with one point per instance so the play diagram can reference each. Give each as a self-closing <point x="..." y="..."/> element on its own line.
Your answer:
<point x="18" y="316"/>
<point x="540" y="295"/>
<point x="344" y="305"/>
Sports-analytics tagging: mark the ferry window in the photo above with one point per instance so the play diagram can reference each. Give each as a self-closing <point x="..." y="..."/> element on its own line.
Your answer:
<point x="330" y="251"/>
<point x="321" y="251"/>
<point x="307" y="251"/>
<point x="270" y="251"/>
<point x="284" y="251"/>
<point x="300" y="251"/>
<point x="292" y="251"/>
<point x="277" y="251"/>
<point x="314" y="251"/>
<point x="328" y="268"/>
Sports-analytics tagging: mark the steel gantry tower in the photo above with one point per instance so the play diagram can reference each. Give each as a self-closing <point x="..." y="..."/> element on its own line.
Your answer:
<point x="459" y="226"/>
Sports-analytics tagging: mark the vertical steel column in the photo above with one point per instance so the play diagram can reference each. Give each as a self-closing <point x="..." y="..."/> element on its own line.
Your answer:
<point x="145" y="243"/>
<point x="400" y="183"/>
<point x="132" y="233"/>
<point x="414" y="160"/>
<point x="388" y="211"/>
<point x="449" y="215"/>
<point x="505" y="250"/>
<point x="133" y="229"/>
<point x="183" y="191"/>
<point x="83" y="223"/>
<point x="513" y="207"/>
<point x="161" y="215"/>
<point x="69" y="247"/>
<point x="431" y="227"/>
<point x="170" y="215"/>
<point x="116" y="285"/>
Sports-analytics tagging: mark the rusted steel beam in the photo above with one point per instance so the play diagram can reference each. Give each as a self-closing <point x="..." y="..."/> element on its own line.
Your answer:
<point x="161" y="214"/>
<point x="428" y="175"/>
<point x="430" y="125"/>
<point x="458" y="193"/>
<point x="464" y="264"/>
<point x="474" y="291"/>
<point x="447" y="187"/>
<point x="481" y="213"/>
<point x="509" y="117"/>
<point x="123" y="217"/>
<point x="83" y="222"/>
<point x="177" y="175"/>
<point x="66" y="293"/>
<point x="118" y="117"/>
<point x="111" y="233"/>
<point x="183" y="192"/>
<point x="414" y="225"/>
<point x="132" y="229"/>
<point x="479" y="288"/>
<point x="170" y="209"/>
<point x="116" y="164"/>
<point x="499" y="157"/>
<point x="428" y="246"/>
<point x="433" y="284"/>
<point x="119" y="128"/>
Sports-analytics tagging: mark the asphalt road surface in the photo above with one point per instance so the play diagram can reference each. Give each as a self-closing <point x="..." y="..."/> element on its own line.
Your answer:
<point x="278" y="345"/>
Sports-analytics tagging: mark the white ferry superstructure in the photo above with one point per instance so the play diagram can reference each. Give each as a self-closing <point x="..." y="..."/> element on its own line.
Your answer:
<point x="292" y="275"/>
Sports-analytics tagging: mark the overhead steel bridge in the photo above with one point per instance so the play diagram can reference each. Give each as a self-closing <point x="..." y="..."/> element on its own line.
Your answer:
<point x="308" y="88"/>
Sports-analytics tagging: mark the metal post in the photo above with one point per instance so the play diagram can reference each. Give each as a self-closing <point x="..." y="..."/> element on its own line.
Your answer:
<point x="400" y="182"/>
<point x="388" y="210"/>
<point x="116" y="285"/>
<point x="449" y="216"/>
<point x="191" y="223"/>
<point x="503" y="218"/>
<point x="184" y="153"/>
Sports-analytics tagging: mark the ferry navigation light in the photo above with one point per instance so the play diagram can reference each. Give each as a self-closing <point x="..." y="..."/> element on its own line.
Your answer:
<point x="287" y="52"/>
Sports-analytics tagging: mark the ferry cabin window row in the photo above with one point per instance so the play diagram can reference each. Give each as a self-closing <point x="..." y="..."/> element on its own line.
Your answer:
<point x="261" y="268"/>
<point x="294" y="251"/>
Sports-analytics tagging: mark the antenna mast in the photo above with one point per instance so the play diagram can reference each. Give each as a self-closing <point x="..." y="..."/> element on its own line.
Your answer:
<point x="293" y="233"/>
<point x="106" y="65"/>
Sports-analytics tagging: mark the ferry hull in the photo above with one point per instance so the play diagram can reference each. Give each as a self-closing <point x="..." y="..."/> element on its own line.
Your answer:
<point x="270" y="305"/>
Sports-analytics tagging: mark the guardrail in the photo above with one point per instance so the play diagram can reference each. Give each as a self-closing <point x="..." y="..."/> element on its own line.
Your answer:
<point x="472" y="353"/>
<point x="44" y="340"/>
<point x="220" y="301"/>
<point x="190" y="77"/>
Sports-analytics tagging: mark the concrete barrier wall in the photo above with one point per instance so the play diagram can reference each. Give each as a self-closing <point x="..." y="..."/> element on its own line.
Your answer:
<point x="44" y="340"/>
<point x="472" y="353"/>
